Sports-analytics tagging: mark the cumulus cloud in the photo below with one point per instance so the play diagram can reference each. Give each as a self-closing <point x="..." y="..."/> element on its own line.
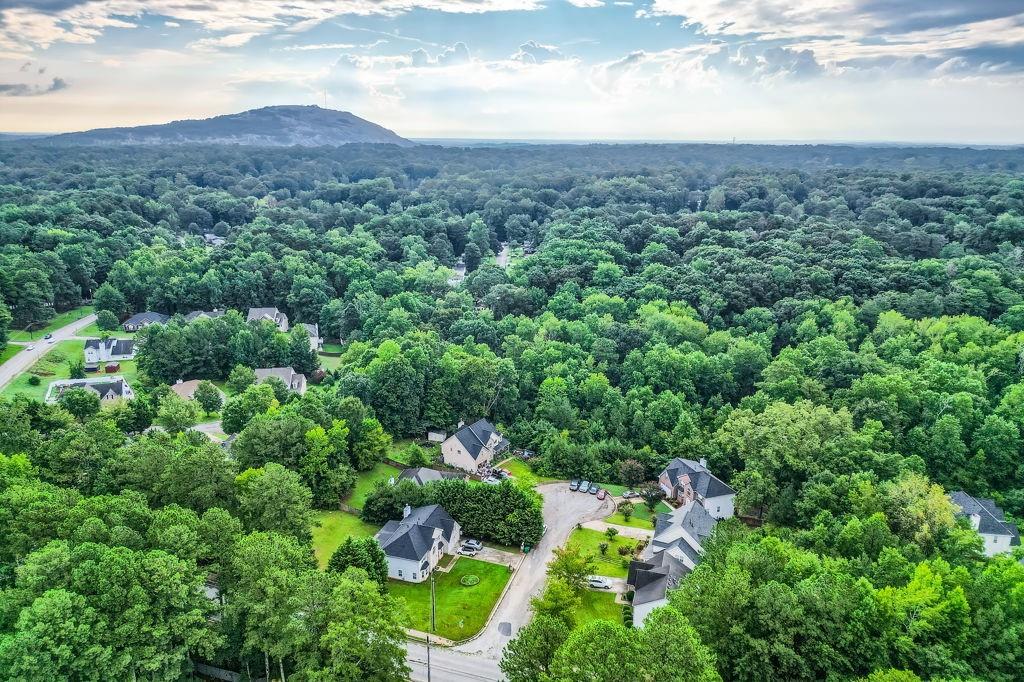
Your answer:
<point x="587" y="3"/>
<point x="232" y="40"/>
<point x="764" y="63"/>
<point x="532" y="52"/>
<point x="449" y="56"/>
<point x="31" y="90"/>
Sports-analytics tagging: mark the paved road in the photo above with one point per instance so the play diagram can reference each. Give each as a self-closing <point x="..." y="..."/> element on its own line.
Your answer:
<point x="563" y="509"/>
<point x="26" y="358"/>
<point x="447" y="665"/>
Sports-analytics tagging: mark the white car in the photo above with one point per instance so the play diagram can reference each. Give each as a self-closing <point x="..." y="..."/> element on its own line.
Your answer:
<point x="49" y="340"/>
<point x="30" y="346"/>
<point x="472" y="543"/>
<point x="599" y="583"/>
<point x="491" y="480"/>
<point x="468" y="551"/>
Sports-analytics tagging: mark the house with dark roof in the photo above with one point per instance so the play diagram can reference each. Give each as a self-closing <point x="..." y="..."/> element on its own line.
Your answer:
<point x="107" y="388"/>
<point x="673" y="552"/>
<point x="423" y="475"/>
<point x="107" y="350"/>
<point x="144" y="319"/>
<point x="295" y="381"/>
<point x="473" y="447"/>
<point x="684" y="480"/>
<point x="208" y="314"/>
<point x="989" y="520"/>
<point x="414" y="545"/>
<point x="272" y="315"/>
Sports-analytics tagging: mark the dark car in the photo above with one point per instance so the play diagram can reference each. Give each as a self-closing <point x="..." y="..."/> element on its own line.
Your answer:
<point x="574" y="484"/>
<point x="593" y="489"/>
<point x="48" y="336"/>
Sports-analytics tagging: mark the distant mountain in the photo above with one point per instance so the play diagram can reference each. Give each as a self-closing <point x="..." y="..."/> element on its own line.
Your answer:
<point x="281" y="126"/>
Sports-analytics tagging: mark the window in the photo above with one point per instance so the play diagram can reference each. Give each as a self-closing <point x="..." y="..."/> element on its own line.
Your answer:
<point x="718" y="509"/>
<point x="414" y="575"/>
<point x="399" y="573"/>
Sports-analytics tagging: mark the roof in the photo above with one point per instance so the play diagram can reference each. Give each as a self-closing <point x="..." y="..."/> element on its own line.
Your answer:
<point x="147" y="318"/>
<point x="196" y="314"/>
<point x="704" y="483"/>
<point x="102" y="386"/>
<point x="285" y="374"/>
<point x="271" y="314"/>
<point x="312" y="329"/>
<point x="115" y="346"/>
<point x="674" y="551"/>
<point x="475" y="437"/>
<point x="412" y="537"/>
<point x="423" y="475"/>
<point x="992" y="520"/>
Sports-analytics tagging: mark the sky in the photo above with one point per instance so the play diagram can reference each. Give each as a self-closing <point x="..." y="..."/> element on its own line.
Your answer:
<point x="924" y="71"/>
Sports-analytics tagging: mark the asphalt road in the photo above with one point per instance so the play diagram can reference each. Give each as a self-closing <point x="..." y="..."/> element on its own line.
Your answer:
<point x="26" y="358"/>
<point x="447" y="665"/>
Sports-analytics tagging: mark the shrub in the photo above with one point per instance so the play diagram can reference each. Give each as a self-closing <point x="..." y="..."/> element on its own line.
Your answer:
<point x="470" y="580"/>
<point x="624" y="550"/>
<point x="34" y="380"/>
<point x="604" y="548"/>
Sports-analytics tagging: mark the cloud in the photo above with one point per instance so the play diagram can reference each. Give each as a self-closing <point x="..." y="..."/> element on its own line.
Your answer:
<point x="533" y="52"/>
<point x="449" y="56"/>
<point x="320" y="46"/>
<point x="587" y="3"/>
<point x="30" y="90"/>
<point x="759" y="63"/>
<point x="232" y="40"/>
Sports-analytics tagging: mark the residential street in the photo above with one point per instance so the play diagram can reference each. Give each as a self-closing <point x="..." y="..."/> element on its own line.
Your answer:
<point x="26" y="358"/>
<point x="447" y="665"/>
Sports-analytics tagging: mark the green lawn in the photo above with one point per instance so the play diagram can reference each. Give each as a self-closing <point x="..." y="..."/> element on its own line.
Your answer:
<point x="9" y="352"/>
<point x="333" y="348"/>
<point x="609" y="564"/>
<point x="598" y="605"/>
<point x="397" y="450"/>
<point x="331" y="529"/>
<point x="92" y="330"/>
<point x="460" y="611"/>
<point x="54" y="365"/>
<point x="641" y="517"/>
<point x="57" y="322"/>
<point x="366" y="481"/>
<point x="522" y="473"/>
<point x="329" y="362"/>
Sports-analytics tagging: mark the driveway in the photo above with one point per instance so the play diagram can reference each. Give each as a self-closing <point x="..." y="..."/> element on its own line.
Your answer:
<point x="563" y="509"/>
<point x="26" y="358"/>
<point x="504" y="257"/>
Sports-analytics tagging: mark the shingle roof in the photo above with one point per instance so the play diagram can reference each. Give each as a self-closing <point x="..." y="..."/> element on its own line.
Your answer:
<point x="412" y="537"/>
<point x="271" y="314"/>
<point x="196" y="314"/>
<point x="705" y="483"/>
<point x="474" y="437"/>
<point x="423" y="475"/>
<point x="146" y="318"/>
<point x="992" y="520"/>
<point x="116" y="346"/>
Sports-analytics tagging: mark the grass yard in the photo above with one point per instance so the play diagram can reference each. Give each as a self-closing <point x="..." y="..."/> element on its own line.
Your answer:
<point x="330" y="362"/>
<point x="598" y="605"/>
<point x="333" y="348"/>
<point x="331" y="529"/>
<point x="461" y="611"/>
<point x="92" y="330"/>
<point x="54" y="365"/>
<point x="57" y="322"/>
<point x="522" y="472"/>
<point x="641" y="517"/>
<point x="397" y="450"/>
<point x="610" y="564"/>
<point x="9" y="352"/>
<point x="365" y="482"/>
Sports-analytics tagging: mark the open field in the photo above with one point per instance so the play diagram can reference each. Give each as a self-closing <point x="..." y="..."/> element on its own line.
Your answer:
<point x="460" y="610"/>
<point x="57" y="322"/>
<point x="610" y="564"/>
<point x="331" y="529"/>
<point x="365" y="482"/>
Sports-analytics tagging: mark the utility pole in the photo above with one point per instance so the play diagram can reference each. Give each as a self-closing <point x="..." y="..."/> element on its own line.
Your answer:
<point x="432" y="625"/>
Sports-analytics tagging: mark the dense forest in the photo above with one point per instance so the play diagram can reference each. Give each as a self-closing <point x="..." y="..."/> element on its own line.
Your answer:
<point x="838" y="330"/>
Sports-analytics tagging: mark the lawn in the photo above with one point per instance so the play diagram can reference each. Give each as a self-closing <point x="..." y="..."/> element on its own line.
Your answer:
<point x="641" y="517"/>
<point x="331" y="529"/>
<point x="333" y="348"/>
<point x="522" y="472"/>
<point x="598" y="605"/>
<point x="9" y="352"/>
<point x="397" y="450"/>
<point x="92" y="330"/>
<point x="54" y="365"/>
<point x="365" y="482"/>
<point x="460" y="611"/>
<point x="610" y="564"/>
<point x="57" y="322"/>
<point x="330" y="362"/>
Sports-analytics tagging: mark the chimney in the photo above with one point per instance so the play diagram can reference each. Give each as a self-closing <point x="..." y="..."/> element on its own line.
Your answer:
<point x="406" y="511"/>
<point x="462" y="423"/>
<point x="704" y="462"/>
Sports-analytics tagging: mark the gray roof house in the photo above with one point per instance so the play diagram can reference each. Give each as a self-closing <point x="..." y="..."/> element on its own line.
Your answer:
<point x="108" y="388"/>
<point x="292" y="379"/>
<point x="474" y="446"/>
<point x="140" y="320"/>
<point x="423" y="475"/>
<point x="989" y="520"/>
<point x="196" y="314"/>
<point x="674" y="551"/>
<point x="414" y="545"/>
<point x="272" y="315"/>
<point x="109" y="350"/>
<point x="684" y="480"/>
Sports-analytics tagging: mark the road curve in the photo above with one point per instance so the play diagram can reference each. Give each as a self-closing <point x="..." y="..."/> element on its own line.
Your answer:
<point x="26" y="358"/>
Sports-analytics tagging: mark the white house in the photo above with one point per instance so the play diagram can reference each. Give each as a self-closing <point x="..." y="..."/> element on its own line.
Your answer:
<point x="108" y="350"/>
<point x="315" y="342"/>
<point x="272" y="315"/>
<point x="108" y="388"/>
<point x="415" y="544"/>
<point x="674" y="551"/>
<point x="295" y="381"/>
<point x="998" y="534"/>
<point x="474" y="446"/>
<point x="684" y="480"/>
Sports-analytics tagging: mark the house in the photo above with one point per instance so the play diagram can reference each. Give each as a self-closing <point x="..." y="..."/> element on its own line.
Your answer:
<point x="473" y="447"/>
<point x="684" y="480"/>
<point x="998" y="534"/>
<point x="107" y="350"/>
<point x="315" y="342"/>
<point x="187" y="389"/>
<point x="292" y="379"/>
<point x="140" y="320"/>
<point x="272" y="315"/>
<point x="107" y="388"/>
<point x="423" y="475"/>
<point x="208" y="314"/>
<point x="214" y="239"/>
<point x="672" y="554"/>
<point x="414" y="545"/>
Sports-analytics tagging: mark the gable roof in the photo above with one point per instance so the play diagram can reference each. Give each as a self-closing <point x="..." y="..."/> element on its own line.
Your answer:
<point x="474" y="437"/>
<point x="196" y="314"/>
<point x="146" y="318"/>
<point x="286" y="374"/>
<point x="992" y="520"/>
<point x="312" y="329"/>
<point x="423" y="475"/>
<point x="412" y="537"/>
<point x="271" y="314"/>
<point x="114" y="346"/>
<point x="705" y="483"/>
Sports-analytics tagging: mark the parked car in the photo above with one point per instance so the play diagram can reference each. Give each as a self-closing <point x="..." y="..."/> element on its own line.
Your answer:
<point x="491" y="480"/>
<point x="630" y="494"/>
<point x="593" y="489"/>
<point x="574" y="484"/>
<point x="602" y="493"/>
<point x="30" y="346"/>
<point x="584" y="486"/>
<point x="49" y="340"/>
<point x="599" y="582"/>
<point x="466" y="551"/>
<point x="473" y="544"/>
